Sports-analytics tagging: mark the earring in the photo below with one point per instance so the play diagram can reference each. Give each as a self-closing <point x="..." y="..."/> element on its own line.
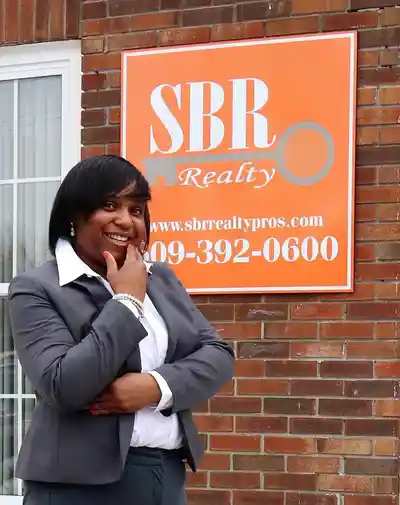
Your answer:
<point x="72" y="231"/>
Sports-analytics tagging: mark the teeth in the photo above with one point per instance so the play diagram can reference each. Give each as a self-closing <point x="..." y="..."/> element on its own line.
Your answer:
<point x="118" y="237"/>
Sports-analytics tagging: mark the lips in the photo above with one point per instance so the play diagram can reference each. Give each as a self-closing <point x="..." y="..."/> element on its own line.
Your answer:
<point x="117" y="239"/>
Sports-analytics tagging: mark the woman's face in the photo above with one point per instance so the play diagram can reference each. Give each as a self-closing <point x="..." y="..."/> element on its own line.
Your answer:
<point x="111" y="228"/>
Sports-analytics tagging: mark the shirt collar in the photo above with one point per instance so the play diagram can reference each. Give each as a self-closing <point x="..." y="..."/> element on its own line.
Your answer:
<point x="71" y="267"/>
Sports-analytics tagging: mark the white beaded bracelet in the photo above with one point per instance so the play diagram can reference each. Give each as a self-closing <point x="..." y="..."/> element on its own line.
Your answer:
<point x="125" y="296"/>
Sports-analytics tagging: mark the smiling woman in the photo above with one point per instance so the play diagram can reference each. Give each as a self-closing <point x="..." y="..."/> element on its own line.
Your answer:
<point x="115" y="350"/>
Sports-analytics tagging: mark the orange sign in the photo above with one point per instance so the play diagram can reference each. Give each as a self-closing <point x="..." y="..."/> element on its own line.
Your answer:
<point x="249" y="148"/>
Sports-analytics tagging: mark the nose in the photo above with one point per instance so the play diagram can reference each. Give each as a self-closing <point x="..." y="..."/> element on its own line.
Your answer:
<point x="123" y="219"/>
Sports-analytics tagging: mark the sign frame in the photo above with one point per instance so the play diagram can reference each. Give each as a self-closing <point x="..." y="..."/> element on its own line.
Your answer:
<point x="348" y="286"/>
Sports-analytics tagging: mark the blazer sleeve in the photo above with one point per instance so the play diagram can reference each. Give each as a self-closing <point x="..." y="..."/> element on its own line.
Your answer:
<point x="66" y="374"/>
<point x="198" y="376"/>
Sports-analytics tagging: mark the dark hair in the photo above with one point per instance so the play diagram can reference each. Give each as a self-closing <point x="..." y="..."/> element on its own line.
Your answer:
<point x="86" y="188"/>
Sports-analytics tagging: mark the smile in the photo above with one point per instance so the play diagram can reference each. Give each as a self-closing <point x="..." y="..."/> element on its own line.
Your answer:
<point x="117" y="239"/>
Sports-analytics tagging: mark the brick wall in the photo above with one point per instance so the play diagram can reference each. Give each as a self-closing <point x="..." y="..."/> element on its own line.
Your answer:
<point x="311" y="417"/>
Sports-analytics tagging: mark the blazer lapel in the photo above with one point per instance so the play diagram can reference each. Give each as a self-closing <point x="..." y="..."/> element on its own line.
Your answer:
<point x="160" y="302"/>
<point x="95" y="289"/>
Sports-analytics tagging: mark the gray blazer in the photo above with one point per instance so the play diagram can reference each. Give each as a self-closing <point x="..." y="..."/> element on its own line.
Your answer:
<point x="73" y="341"/>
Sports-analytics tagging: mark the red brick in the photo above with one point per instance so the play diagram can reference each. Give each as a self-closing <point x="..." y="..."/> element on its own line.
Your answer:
<point x="208" y="16"/>
<point x="235" y="480"/>
<point x="229" y="405"/>
<point x="378" y="76"/>
<point x="42" y="20"/>
<point x="93" y="81"/>
<point x="257" y="498"/>
<point x="217" y="311"/>
<point x="372" y="389"/>
<point x="378" y="194"/>
<point x="208" y="497"/>
<point x="214" y="423"/>
<point x="132" y="41"/>
<point x="122" y="7"/>
<point x="390" y="16"/>
<point x="94" y="26"/>
<point x="114" y="115"/>
<point x="26" y="21"/>
<point x="311" y="499"/>
<point x="344" y="446"/>
<point x="378" y="271"/>
<point x="373" y="349"/>
<point x="57" y="19"/>
<point x="371" y="427"/>
<point x="309" y="426"/>
<point x="100" y="135"/>
<point x="368" y="4"/>
<point x="344" y="483"/>
<point x="88" y="151"/>
<point x="290" y="481"/>
<point x="292" y="406"/>
<point x="291" y="330"/>
<point x="345" y="408"/>
<point x="367" y="96"/>
<point x="262" y="10"/>
<point x="236" y="31"/>
<point x="93" y="45"/>
<point x="261" y="312"/>
<point x="386" y="447"/>
<point x="369" y="500"/>
<point x="313" y="464"/>
<point x="92" y="99"/>
<point x="289" y="445"/>
<point x="101" y="62"/>
<point x="350" y="369"/>
<point x="374" y="310"/>
<point x="389" y="174"/>
<point x="72" y="19"/>
<point x="384" y="37"/>
<point x="346" y="330"/>
<point x="239" y="331"/>
<point x="178" y="36"/>
<point x="290" y="368"/>
<point x="93" y="117"/>
<point x="263" y="350"/>
<point x="94" y="10"/>
<point x="155" y="20"/>
<point x="387" y="330"/>
<point x="11" y="26"/>
<point x="198" y="479"/>
<point x="249" y="368"/>
<point x="390" y="95"/>
<point x="214" y="461"/>
<point x="388" y="408"/>
<point x="278" y="27"/>
<point x="387" y="369"/>
<point x="368" y="466"/>
<point x="262" y="387"/>
<point x="258" y="462"/>
<point x="313" y="6"/>
<point x="378" y="115"/>
<point x="260" y="424"/>
<point x="242" y="443"/>
<point x="317" y="350"/>
<point x="350" y="20"/>
<point x="316" y="388"/>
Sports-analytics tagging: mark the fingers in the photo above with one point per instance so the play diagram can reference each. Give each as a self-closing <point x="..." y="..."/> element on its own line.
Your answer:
<point x="110" y="262"/>
<point x="132" y="254"/>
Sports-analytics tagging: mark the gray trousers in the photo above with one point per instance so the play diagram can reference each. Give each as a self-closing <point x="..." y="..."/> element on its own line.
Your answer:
<point x="151" y="477"/>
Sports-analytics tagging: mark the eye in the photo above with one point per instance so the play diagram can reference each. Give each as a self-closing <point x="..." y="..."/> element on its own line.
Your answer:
<point x="109" y="206"/>
<point x="137" y="211"/>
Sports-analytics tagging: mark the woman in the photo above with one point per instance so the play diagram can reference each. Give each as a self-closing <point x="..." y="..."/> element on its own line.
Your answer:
<point x="115" y="350"/>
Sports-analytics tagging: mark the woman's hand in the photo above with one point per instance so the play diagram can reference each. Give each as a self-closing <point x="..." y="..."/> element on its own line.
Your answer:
<point x="131" y="278"/>
<point x="127" y="394"/>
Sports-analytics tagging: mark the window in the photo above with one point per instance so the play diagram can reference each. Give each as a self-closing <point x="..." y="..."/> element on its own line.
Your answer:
<point x="40" y="95"/>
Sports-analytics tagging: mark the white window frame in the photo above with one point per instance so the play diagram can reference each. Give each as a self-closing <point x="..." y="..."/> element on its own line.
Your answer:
<point x="40" y="60"/>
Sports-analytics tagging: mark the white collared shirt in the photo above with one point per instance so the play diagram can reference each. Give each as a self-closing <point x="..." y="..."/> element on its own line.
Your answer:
<point x="151" y="428"/>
